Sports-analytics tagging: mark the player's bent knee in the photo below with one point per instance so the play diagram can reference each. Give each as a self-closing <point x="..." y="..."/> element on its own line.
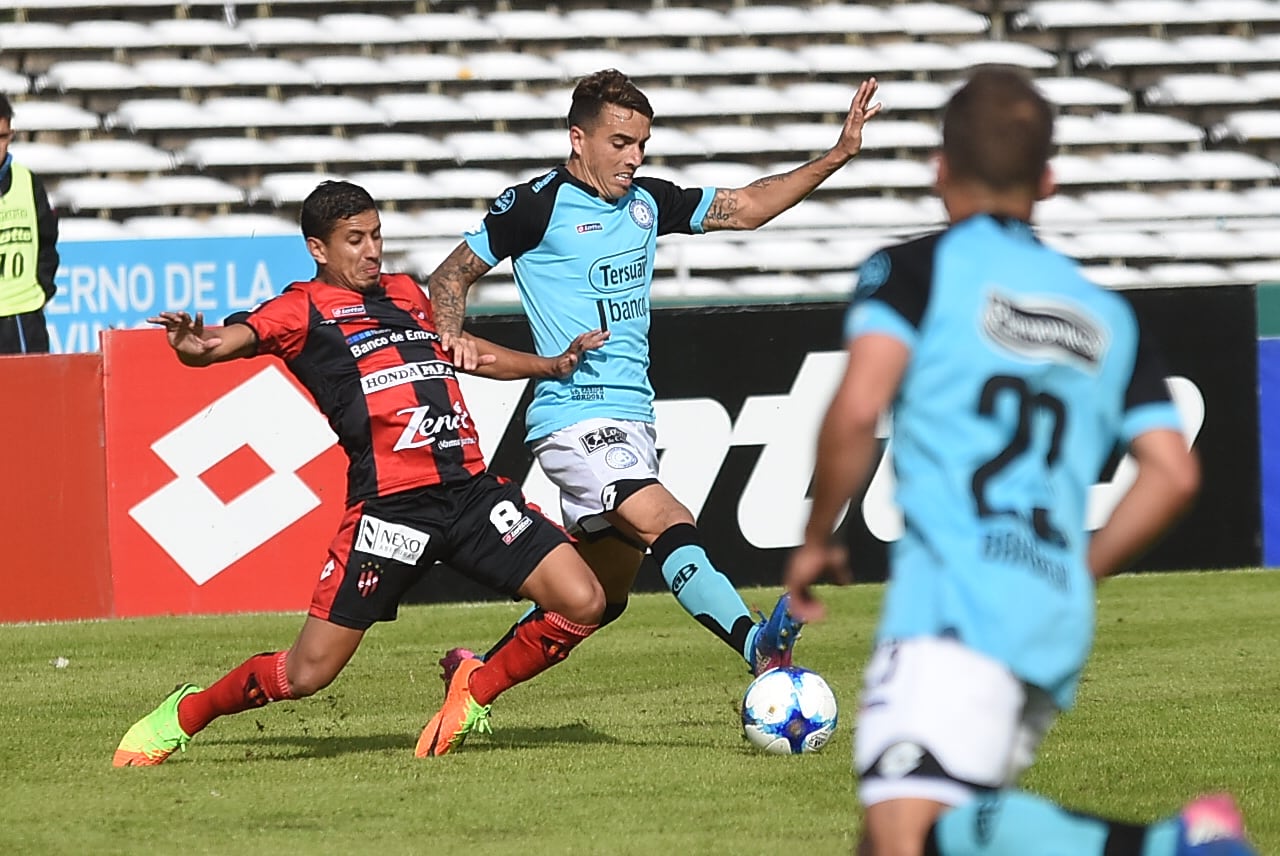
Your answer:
<point x="563" y="583"/>
<point x="613" y="611"/>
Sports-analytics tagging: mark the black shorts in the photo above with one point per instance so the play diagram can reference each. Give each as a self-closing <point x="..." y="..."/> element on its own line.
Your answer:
<point x="483" y="528"/>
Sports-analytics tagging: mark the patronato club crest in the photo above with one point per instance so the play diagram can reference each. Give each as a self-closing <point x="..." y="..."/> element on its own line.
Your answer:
<point x="641" y="213"/>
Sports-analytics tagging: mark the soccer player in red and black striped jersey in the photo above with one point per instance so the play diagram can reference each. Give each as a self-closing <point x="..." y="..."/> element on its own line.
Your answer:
<point x="364" y="345"/>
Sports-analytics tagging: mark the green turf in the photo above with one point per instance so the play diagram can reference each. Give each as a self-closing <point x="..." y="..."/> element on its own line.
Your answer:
<point x="632" y="746"/>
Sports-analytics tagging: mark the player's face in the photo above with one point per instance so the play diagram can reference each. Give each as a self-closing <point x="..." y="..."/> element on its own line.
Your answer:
<point x="352" y="254"/>
<point x="609" y="153"/>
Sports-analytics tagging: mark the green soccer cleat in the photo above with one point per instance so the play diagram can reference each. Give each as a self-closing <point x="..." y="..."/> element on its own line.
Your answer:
<point x="157" y="735"/>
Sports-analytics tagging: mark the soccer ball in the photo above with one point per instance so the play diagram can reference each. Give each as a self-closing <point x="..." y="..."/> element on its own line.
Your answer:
<point x="789" y="711"/>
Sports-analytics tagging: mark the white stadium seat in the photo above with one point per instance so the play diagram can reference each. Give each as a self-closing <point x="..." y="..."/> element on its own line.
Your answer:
<point x="446" y="27"/>
<point x="82" y="75"/>
<point x="49" y="159"/>
<point x="1007" y="53"/>
<point x="181" y="73"/>
<point x="264" y="71"/>
<point x="86" y="194"/>
<point x="32" y="36"/>
<point x="350" y="28"/>
<point x="53" y="116"/>
<point x="121" y="156"/>
<point x="91" y="229"/>
<point x="191" y="190"/>
<point x="150" y="114"/>
<point x="384" y="146"/>
<point x="283" y="31"/>
<point x="421" y="107"/>
<point x="1248" y="125"/>
<point x="1065" y="212"/>
<point x="13" y="83"/>
<point x="197" y="33"/>
<point x="613" y="23"/>
<point x="349" y="71"/>
<point x="938" y="19"/>
<point x="1083" y="92"/>
<point x="859" y="18"/>
<point x="692" y="22"/>
<point x="1200" y="89"/>
<point x="289" y="188"/>
<point x="533" y="25"/>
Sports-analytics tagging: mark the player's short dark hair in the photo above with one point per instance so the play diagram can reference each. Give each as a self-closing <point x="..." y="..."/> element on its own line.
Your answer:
<point x="997" y="130"/>
<point x="609" y="86"/>
<point x="6" y="107"/>
<point x="330" y="202"/>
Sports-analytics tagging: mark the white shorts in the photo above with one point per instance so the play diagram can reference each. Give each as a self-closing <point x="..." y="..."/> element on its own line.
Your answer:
<point x="942" y="722"/>
<point x="586" y="459"/>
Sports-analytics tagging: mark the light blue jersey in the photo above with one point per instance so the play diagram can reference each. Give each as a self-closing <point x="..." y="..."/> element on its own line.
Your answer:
<point x="581" y="263"/>
<point x="1024" y="378"/>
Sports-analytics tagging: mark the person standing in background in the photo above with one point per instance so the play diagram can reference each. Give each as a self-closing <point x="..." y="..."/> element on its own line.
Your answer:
<point x="28" y="250"/>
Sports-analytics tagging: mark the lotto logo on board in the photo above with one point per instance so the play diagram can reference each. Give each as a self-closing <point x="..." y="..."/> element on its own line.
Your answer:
<point x="205" y="534"/>
<point x="226" y="483"/>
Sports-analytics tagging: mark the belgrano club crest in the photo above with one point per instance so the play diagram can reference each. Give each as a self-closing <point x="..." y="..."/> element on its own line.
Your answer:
<point x="1044" y="330"/>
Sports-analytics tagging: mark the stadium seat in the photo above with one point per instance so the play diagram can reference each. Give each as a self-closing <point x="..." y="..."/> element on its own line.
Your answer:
<point x="354" y="28"/>
<point x="449" y="222"/>
<point x="181" y="73"/>
<point x="283" y="32"/>
<point x="692" y="22"/>
<point x="165" y="226"/>
<point x="53" y="116"/>
<point x="1063" y="212"/>
<point x="289" y="188"/>
<point x="1219" y="244"/>
<point x="182" y="190"/>
<point x="938" y="19"/>
<point x="488" y="146"/>
<point x="613" y="24"/>
<point x="534" y="25"/>
<point x="1203" y="89"/>
<point x="1187" y="273"/>
<point x="856" y="18"/>
<point x="351" y="71"/>
<point x="1007" y="53"/>
<point x="509" y="66"/>
<point x="421" y="107"/>
<point x="1247" y="126"/>
<point x="49" y="159"/>
<point x="152" y="114"/>
<point x="503" y="105"/>
<point x="1117" y="244"/>
<point x="264" y="71"/>
<point x="249" y="224"/>
<point x="449" y="27"/>
<point x="390" y="147"/>
<point x="770" y="20"/>
<point x="759" y="61"/>
<point x="12" y="83"/>
<point x="670" y="62"/>
<point x="32" y="36"/>
<point x="667" y="142"/>
<point x="197" y="33"/>
<point x="1083" y="92"/>
<point x="91" y="229"/>
<point x="579" y="62"/>
<point x="102" y="194"/>
<point x="83" y="75"/>
<point x="1112" y="205"/>
<point x="1213" y="203"/>
<point x="1116" y="276"/>
<point x="106" y="35"/>
<point x="1124" y="129"/>
<point x="1128" y="51"/>
<point x="110" y="156"/>
<point x="720" y="140"/>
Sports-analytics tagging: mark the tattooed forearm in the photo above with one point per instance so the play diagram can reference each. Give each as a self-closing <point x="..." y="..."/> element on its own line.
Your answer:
<point x="448" y="286"/>
<point x="721" y="214"/>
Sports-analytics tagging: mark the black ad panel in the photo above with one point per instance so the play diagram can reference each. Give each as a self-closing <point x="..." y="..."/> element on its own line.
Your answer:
<point x="741" y="391"/>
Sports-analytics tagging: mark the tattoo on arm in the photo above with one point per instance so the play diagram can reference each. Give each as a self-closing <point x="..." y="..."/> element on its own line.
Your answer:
<point x="721" y="214"/>
<point x="448" y="286"/>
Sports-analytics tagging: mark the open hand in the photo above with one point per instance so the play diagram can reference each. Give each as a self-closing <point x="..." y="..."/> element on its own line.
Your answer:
<point x="466" y="353"/>
<point x="860" y="111"/>
<point x="564" y="365"/>
<point x="186" y="335"/>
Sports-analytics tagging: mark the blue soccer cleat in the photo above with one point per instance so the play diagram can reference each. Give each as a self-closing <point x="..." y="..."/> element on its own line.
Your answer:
<point x="776" y="637"/>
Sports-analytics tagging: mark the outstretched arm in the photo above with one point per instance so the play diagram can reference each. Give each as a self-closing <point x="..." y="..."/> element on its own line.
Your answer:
<point x="765" y="198"/>
<point x="448" y="287"/>
<point x="502" y="363"/>
<point x="197" y="346"/>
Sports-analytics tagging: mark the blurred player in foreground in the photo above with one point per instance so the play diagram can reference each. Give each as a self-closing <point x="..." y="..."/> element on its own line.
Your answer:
<point x="1011" y="379"/>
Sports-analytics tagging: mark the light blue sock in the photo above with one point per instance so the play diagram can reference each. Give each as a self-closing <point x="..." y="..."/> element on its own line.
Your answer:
<point x="1014" y="823"/>
<point x="703" y="591"/>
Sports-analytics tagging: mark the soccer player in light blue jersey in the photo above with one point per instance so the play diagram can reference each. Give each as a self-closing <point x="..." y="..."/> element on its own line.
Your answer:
<point x="581" y="239"/>
<point x="1011" y="379"/>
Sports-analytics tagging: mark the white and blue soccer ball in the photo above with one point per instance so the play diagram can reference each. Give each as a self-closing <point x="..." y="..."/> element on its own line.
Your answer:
<point x="789" y="711"/>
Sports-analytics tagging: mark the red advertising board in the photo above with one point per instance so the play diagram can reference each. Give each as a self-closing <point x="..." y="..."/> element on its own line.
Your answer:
<point x="225" y="483"/>
<point x="53" y="508"/>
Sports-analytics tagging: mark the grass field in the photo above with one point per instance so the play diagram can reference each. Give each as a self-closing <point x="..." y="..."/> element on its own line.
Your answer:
<point x="632" y="746"/>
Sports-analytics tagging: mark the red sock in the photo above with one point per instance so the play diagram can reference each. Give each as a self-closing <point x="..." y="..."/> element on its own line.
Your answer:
<point x="253" y="683"/>
<point x="534" y="647"/>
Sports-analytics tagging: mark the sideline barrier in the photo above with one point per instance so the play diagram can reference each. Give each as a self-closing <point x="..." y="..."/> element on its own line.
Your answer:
<point x="226" y="485"/>
<point x="53" y="508"/>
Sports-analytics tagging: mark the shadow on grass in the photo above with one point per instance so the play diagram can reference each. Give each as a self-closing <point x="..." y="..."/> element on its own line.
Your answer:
<point x="289" y="747"/>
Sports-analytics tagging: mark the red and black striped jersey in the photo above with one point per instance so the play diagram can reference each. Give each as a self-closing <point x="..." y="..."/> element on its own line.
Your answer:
<point x="373" y="363"/>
